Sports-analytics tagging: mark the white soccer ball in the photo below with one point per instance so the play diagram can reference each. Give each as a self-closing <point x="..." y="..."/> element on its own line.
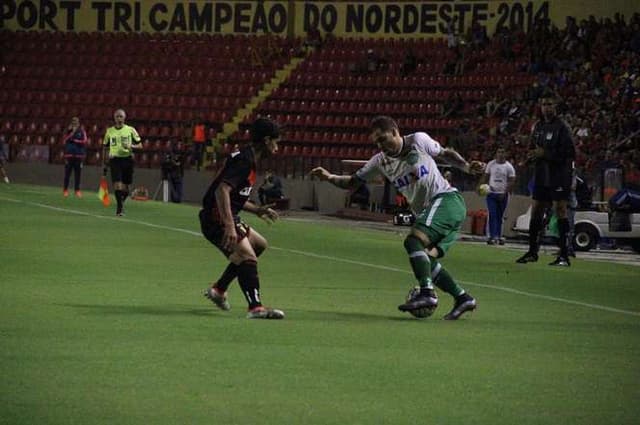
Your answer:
<point x="484" y="189"/>
<point x="421" y="313"/>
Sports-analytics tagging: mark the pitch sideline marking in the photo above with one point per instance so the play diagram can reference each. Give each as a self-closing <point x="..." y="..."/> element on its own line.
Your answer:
<point x="342" y="260"/>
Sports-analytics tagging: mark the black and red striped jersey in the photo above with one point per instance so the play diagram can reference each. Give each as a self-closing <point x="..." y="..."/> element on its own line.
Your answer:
<point x="239" y="172"/>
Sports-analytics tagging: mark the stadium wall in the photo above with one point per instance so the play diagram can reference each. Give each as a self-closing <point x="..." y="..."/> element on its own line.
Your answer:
<point x="325" y="198"/>
<point x="294" y="18"/>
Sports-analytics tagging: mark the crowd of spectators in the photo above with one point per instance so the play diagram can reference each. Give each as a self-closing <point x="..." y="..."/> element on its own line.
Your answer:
<point x="594" y="67"/>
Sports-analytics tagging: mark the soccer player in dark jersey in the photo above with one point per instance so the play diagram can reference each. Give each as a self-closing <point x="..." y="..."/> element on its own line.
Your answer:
<point x="222" y="226"/>
<point x="552" y="152"/>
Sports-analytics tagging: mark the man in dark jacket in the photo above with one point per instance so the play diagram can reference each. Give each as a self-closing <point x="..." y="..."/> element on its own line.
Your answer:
<point x="552" y="153"/>
<point x="75" y="150"/>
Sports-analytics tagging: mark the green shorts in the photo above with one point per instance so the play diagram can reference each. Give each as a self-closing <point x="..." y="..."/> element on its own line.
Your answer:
<point x="441" y="220"/>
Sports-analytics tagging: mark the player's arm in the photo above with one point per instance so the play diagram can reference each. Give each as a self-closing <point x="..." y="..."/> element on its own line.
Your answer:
<point x="567" y="146"/>
<point x="105" y="152"/>
<point x="511" y="179"/>
<point x="484" y="179"/>
<point x="535" y="152"/>
<point x="265" y="212"/>
<point x="84" y="139"/>
<point x="68" y="137"/>
<point x="343" y="182"/>
<point x="136" y="141"/>
<point x="455" y="159"/>
<point x="223" y="200"/>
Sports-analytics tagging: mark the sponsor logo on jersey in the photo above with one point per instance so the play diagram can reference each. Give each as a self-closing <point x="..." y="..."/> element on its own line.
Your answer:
<point x="411" y="177"/>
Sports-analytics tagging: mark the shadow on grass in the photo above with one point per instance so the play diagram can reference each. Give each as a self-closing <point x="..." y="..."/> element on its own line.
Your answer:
<point x="177" y="310"/>
<point x="341" y="316"/>
<point x="146" y="310"/>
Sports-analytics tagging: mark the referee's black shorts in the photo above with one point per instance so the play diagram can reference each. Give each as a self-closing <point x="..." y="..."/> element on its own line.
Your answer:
<point x="121" y="170"/>
<point x="551" y="193"/>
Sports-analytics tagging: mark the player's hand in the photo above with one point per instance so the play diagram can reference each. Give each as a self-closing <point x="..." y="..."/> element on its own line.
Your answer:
<point x="268" y="214"/>
<point x="320" y="173"/>
<point x="476" y="167"/>
<point x="229" y="238"/>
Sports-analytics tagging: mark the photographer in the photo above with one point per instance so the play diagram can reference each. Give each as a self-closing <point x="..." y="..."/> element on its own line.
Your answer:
<point x="173" y="172"/>
<point x="271" y="188"/>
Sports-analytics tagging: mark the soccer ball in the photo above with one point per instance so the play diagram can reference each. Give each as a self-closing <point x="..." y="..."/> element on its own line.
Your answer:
<point x="484" y="189"/>
<point x="404" y="219"/>
<point x="421" y="313"/>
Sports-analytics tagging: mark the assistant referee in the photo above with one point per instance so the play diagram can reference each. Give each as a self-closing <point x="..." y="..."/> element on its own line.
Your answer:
<point x="118" y="145"/>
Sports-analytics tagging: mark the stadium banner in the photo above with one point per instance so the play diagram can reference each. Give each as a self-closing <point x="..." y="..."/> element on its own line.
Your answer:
<point x="293" y="17"/>
<point x="430" y="18"/>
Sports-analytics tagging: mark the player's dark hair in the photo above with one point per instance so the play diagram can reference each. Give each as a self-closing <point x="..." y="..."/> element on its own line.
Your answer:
<point x="264" y="127"/>
<point x="383" y="123"/>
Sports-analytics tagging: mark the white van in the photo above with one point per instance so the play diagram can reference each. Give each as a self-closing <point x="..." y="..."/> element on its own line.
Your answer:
<point x="591" y="226"/>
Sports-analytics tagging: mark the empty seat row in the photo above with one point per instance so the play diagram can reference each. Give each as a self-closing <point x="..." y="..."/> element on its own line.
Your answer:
<point x="396" y="105"/>
<point x="335" y="151"/>
<point x="373" y="94"/>
<point x="330" y="122"/>
<point x="224" y="100"/>
<point x="100" y="66"/>
<point x="413" y="81"/>
<point x="213" y="74"/>
<point x="125" y="87"/>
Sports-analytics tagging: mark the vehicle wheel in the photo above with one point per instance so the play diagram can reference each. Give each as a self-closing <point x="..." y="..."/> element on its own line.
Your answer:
<point x="585" y="237"/>
<point x="635" y="245"/>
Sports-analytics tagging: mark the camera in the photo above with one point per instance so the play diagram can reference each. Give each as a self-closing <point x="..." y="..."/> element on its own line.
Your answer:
<point x="171" y="166"/>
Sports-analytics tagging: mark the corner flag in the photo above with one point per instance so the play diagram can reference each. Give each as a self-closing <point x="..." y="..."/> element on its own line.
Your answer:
<point x="103" y="192"/>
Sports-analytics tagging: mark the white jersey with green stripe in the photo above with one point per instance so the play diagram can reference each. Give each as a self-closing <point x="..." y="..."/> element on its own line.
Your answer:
<point x="414" y="174"/>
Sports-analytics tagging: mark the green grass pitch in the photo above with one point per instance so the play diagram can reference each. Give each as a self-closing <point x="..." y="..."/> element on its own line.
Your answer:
<point x="102" y="321"/>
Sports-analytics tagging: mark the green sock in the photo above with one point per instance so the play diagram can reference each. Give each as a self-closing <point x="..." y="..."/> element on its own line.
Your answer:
<point x="443" y="280"/>
<point x="420" y="263"/>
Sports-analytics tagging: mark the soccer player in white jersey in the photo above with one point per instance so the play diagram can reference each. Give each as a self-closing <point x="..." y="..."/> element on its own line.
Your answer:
<point x="407" y="162"/>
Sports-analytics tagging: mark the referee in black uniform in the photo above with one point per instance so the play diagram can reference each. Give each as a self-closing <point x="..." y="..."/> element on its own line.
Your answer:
<point x="552" y="152"/>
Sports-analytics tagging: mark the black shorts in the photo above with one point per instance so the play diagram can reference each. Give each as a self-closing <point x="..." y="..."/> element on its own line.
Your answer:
<point x="551" y="194"/>
<point x="121" y="170"/>
<point x="214" y="231"/>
